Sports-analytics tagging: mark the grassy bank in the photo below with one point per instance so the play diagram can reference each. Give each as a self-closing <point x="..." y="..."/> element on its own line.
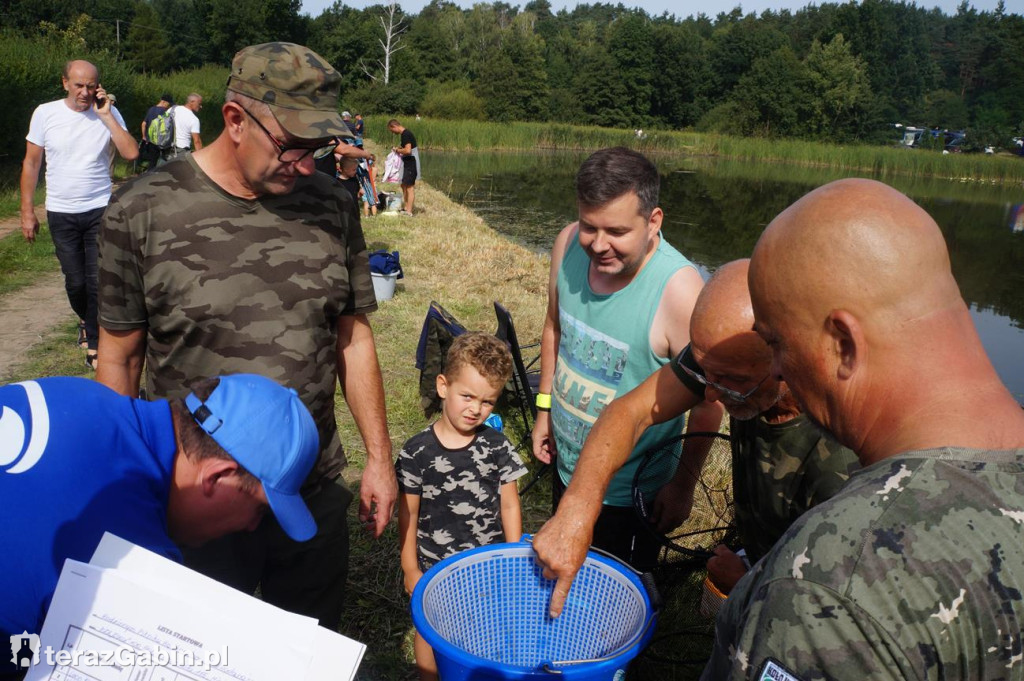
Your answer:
<point x="879" y="160"/>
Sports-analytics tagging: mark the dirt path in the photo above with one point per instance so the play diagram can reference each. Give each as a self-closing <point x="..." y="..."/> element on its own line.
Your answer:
<point x="28" y="314"/>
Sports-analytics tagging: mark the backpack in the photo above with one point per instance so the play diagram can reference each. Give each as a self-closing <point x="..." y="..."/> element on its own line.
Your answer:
<point x="160" y="131"/>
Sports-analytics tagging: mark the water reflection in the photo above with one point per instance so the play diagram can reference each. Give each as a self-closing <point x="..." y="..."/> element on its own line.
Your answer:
<point x="715" y="212"/>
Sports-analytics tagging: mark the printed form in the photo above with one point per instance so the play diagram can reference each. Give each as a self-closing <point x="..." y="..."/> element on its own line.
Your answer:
<point x="131" y="615"/>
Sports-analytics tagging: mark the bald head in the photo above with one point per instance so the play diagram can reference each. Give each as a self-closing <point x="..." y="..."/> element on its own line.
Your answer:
<point x="81" y="66"/>
<point x="854" y="244"/>
<point x="723" y="308"/>
<point x="80" y="80"/>
<point x="726" y="347"/>
<point x="852" y="288"/>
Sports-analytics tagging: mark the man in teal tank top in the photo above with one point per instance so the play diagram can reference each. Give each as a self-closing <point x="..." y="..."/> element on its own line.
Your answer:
<point x="619" y="303"/>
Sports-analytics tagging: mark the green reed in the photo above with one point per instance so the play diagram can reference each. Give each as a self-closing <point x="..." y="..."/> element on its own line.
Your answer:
<point x="880" y="161"/>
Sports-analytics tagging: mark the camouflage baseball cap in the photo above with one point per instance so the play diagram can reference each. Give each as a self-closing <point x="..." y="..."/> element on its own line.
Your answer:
<point x="298" y="85"/>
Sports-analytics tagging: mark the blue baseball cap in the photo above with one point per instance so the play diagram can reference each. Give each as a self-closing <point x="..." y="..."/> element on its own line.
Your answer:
<point x="267" y="429"/>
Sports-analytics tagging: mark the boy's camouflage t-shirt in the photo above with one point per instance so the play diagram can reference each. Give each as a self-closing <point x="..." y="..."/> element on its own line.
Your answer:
<point x="915" y="570"/>
<point x="459" y="490"/>
<point x="229" y="285"/>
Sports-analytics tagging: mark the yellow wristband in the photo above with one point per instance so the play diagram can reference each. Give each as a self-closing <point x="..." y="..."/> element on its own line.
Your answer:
<point x="544" y="401"/>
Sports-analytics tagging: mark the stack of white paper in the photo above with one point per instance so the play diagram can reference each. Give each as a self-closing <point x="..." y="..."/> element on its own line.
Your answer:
<point x="131" y="615"/>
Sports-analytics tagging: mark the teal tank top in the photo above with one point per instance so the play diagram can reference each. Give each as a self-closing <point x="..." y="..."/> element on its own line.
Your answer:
<point x="605" y="351"/>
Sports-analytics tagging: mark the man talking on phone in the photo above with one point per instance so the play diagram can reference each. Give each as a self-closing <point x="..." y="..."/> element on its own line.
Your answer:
<point x="77" y="135"/>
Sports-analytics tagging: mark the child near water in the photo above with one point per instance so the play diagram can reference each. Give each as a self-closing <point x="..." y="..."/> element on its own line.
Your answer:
<point x="457" y="478"/>
<point x="367" y="185"/>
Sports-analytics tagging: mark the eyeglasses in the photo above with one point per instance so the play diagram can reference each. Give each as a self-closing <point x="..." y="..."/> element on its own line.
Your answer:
<point x="729" y="393"/>
<point x="292" y="154"/>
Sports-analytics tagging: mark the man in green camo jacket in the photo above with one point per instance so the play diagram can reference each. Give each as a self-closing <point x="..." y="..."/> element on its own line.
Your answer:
<point x="240" y="258"/>
<point x="915" y="570"/>
<point x="782" y="463"/>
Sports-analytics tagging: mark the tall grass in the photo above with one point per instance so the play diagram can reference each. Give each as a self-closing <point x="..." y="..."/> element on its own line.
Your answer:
<point x="30" y="69"/>
<point x="21" y="263"/>
<point x="880" y="161"/>
<point x="10" y="198"/>
<point x="208" y="81"/>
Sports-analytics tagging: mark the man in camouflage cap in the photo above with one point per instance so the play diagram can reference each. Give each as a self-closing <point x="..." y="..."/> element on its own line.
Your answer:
<point x="782" y="463"/>
<point x="241" y="258"/>
<point x="915" y="570"/>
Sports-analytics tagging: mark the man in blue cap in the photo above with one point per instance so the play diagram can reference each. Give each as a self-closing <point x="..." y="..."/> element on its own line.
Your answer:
<point x="78" y="460"/>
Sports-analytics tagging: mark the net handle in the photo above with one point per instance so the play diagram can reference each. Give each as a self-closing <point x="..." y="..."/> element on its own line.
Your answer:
<point x="638" y="496"/>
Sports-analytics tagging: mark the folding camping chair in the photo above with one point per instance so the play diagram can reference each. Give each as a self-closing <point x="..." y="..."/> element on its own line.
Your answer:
<point x="525" y="382"/>
<point x="439" y="330"/>
<point x="525" y="379"/>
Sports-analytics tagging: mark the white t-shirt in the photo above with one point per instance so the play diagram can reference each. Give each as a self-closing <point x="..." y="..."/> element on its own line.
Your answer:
<point x="78" y="155"/>
<point x="185" y="123"/>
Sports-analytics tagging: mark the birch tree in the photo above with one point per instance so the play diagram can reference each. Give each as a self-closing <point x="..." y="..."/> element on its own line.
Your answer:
<point x="393" y="23"/>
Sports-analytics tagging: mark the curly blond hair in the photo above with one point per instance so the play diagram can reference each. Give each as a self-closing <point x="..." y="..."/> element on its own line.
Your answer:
<point x="483" y="352"/>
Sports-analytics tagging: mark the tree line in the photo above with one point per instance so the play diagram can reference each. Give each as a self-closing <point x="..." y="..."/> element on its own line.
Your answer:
<point x="834" y="72"/>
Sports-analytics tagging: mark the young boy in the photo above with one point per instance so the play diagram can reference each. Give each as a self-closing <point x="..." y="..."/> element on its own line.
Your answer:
<point x="457" y="478"/>
<point x="347" y="176"/>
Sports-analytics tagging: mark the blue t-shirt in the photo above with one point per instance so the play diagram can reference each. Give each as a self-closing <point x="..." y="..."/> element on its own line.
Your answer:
<point x="76" y="459"/>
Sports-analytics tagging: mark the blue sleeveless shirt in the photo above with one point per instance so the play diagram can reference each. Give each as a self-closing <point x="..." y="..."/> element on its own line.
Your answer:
<point x="605" y="351"/>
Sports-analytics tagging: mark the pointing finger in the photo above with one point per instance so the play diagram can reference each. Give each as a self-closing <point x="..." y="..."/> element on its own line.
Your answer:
<point x="558" y="596"/>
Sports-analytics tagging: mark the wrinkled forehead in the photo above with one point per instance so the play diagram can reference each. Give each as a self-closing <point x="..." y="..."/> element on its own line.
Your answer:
<point x="738" y="354"/>
<point x="82" y="74"/>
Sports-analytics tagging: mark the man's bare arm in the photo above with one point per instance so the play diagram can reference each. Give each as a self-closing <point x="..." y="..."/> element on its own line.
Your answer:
<point x="674" y="500"/>
<point x="121" y="357"/>
<point x="562" y="543"/>
<point x="363" y="387"/>
<point x="29" y="181"/>
<point x="122" y="139"/>
<point x="542" y="435"/>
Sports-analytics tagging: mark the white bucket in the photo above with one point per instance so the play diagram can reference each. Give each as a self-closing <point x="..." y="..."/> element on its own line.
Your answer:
<point x="384" y="285"/>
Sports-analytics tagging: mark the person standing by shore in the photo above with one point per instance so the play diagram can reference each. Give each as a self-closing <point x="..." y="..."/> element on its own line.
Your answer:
<point x="409" y="151"/>
<point x="76" y="135"/>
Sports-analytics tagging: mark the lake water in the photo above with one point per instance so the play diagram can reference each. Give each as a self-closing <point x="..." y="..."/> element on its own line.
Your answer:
<point x="715" y="212"/>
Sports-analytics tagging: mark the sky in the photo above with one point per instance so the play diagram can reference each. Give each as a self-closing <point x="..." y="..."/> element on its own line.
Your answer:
<point x="681" y="8"/>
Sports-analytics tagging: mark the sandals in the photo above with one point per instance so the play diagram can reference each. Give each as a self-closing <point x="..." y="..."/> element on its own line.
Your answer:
<point x="92" y="359"/>
<point x="82" y="340"/>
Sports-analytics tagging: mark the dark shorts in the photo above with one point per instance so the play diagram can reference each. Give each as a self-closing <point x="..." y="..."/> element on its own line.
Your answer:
<point x="409" y="173"/>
